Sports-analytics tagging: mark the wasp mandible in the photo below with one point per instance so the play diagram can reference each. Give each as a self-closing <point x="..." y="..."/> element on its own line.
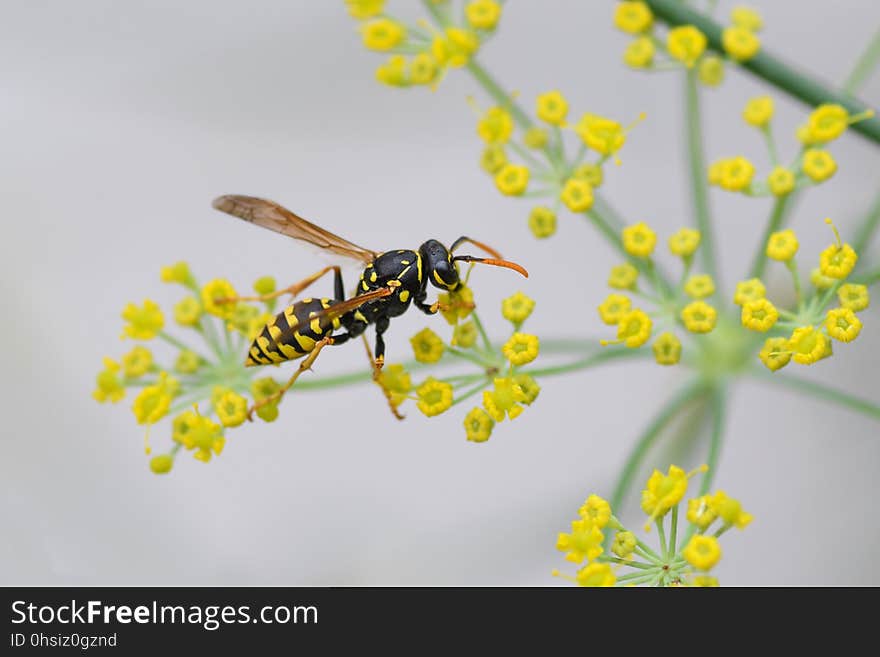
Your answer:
<point x="389" y="283"/>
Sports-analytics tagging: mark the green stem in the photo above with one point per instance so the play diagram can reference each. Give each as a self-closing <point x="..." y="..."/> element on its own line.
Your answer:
<point x="777" y="217"/>
<point x="769" y="67"/>
<point x="699" y="184"/>
<point x="650" y="434"/>
<point x="661" y="532"/>
<point x="487" y="343"/>
<point x="174" y="342"/>
<point x="470" y="393"/>
<point x="864" y="66"/>
<point x="870" y="278"/>
<point x="869" y="225"/>
<point x="673" y="531"/>
<point x="718" y="411"/>
<point x="603" y="356"/>
<point x="821" y="391"/>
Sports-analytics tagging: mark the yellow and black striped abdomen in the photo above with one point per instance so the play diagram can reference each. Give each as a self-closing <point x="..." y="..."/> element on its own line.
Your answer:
<point x="292" y="333"/>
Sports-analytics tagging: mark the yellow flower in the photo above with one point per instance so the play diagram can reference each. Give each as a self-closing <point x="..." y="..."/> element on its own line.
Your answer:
<point x="699" y="317"/>
<point x="818" y="164"/>
<point x="464" y="335"/>
<point x="604" y="136"/>
<point x="700" y="512"/>
<point x="552" y="107"/>
<point x="624" y="544"/>
<point x="137" y="362"/>
<point x="435" y="397"/>
<point x="397" y="382"/>
<point x="198" y="433"/>
<point x="495" y="126"/>
<point x="493" y="159"/>
<point x="736" y="174"/>
<point x="842" y="324"/>
<point x="161" y="464"/>
<point x="749" y="290"/>
<point x="759" y="315"/>
<point x="597" y="510"/>
<point x="685" y="43"/>
<point x="457" y="304"/>
<point x="684" y="242"/>
<point x="383" y="34"/>
<point x="639" y="53"/>
<point x="775" y="354"/>
<point x="711" y="70"/>
<point x="529" y="387"/>
<point x="427" y="346"/>
<point x="746" y="18"/>
<point x="759" y="111"/>
<point x="741" y="44"/>
<point x="584" y="541"/>
<point x="702" y="552"/>
<point x="667" y="349"/>
<point x="596" y="575"/>
<point x="109" y="384"/>
<point x="700" y="286"/>
<point x="713" y="175"/>
<point x="505" y="398"/>
<point x="782" y="245"/>
<point x="264" y="285"/>
<point x="614" y="308"/>
<point x="517" y="308"/>
<point x="662" y="492"/>
<point x="393" y="71"/>
<point x="536" y="137"/>
<point x="216" y="291"/>
<point x="633" y="17"/>
<point x="781" y="181"/>
<point x="590" y="172"/>
<point x="820" y="281"/>
<point x="807" y="345"/>
<point x="634" y="328"/>
<point x="423" y="68"/>
<point x="177" y="273"/>
<point x="521" y="349"/>
<point x="577" y="195"/>
<point x="188" y="362"/>
<point x="730" y="510"/>
<point x="231" y="409"/>
<point x="455" y="48"/>
<point x="827" y="122"/>
<point x="512" y="179"/>
<point x="639" y="240"/>
<point x="361" y="9"/>
<point x="623" y="277"/>
<point x="478" y="425"/>
<point x="542" y="222"/>
<point x="705" y="581"/>
<point x="153" y="402"/>
<point x="853" y="296"/>
<point x="483" y="14"/>
<point x="144" y="323"/>
<point x="837" y="261"/>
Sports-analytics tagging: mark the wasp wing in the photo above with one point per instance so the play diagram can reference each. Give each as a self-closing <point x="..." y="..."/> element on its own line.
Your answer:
<point x="339" y="308"/>
<point x="269" y="214"/>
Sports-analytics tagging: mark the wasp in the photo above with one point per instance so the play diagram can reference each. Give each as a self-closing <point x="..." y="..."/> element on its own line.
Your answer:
<point x="391" y="282"/>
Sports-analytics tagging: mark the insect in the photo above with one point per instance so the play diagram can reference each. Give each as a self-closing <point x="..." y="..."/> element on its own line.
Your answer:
<point x="390" y="283"/>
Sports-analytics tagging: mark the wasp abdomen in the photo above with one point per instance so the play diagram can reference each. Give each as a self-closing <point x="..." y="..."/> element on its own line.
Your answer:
<point x="292" y="333"/>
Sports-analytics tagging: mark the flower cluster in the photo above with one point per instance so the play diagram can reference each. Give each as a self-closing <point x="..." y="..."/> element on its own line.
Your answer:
<point x="533" y="162"/>
<point x="686" y="307"/>
<point x="805" y="332"/>
<point x="506" y="388"/>
<point x="685" y="45"/>
<point x="204" y="389"/>
<point x="685" y="562"/>
<point x="421" y="54"/>
<point x="812" y="165"/>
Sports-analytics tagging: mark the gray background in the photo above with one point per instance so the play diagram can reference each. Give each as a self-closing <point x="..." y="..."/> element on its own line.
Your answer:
<point x="122" y="120"/>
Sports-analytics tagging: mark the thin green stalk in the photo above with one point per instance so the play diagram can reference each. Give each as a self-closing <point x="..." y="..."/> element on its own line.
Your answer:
<point x="866" y="231"/>
<point x="604" y="356"/>
<point x="699" y="184"/>
<point x="661" y="532"/>
<point x="649" y="436"/>
<point x="174" y="342"/>
<point x="777" y="217"/>
<point x="864" y="66"/>
<point x="673" y="531"/>
<point x="470" y="393"/>
<point x="821" y="391"/>
<point x="769" y="67"/>
<point x="630" y="563"/>
<point x="487" y="343"/>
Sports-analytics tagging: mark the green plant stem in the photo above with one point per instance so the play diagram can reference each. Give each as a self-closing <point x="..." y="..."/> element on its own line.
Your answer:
<point x="870" y="278"/>
<point x="820" y="391"/>
<point x="718" y="411"/>
<point x="699" y="184"/>
<point x="174" y="342"/>
<point x="864" y="66"/>
<point x="869" y="224"/>
<point x="673" y="530"/>
<point x="777" y="217"/>
<point x="770" y="67"/>
<point x="649" y="436"/>
<point x="604" y="356"/>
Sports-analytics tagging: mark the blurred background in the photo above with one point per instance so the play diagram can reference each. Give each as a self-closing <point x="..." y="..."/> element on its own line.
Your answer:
<point x="120" y="123"/>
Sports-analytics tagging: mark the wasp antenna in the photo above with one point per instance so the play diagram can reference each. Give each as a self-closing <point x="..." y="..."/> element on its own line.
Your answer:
<point x="495" y="262"/>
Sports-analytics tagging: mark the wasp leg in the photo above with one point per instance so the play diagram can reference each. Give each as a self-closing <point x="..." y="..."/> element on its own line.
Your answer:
<point x="419" y="302"/>
<point x="377" y="378"/>
<point x="306" y="364"/>
<point x="294" y="289"/>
